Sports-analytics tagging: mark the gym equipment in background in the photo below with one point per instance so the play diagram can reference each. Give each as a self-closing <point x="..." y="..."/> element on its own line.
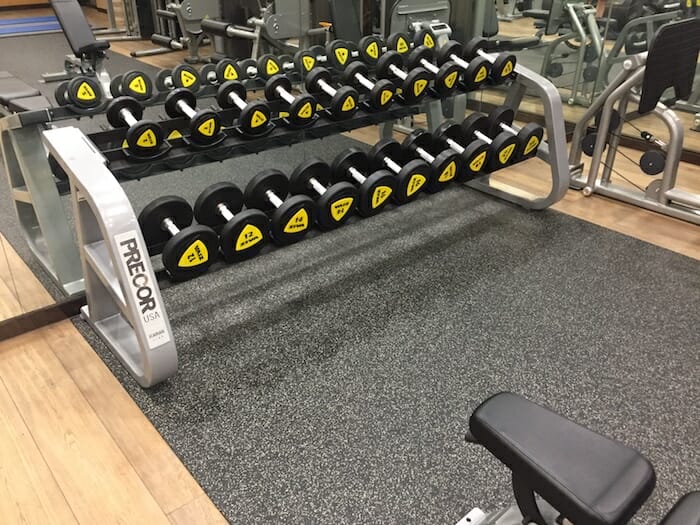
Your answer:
<point x="580" y="476"/>
<point x="670" y="62"/>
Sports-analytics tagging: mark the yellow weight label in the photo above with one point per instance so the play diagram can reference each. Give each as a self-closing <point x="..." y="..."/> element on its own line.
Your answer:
<point x="386" y="97"/>
<point x="306" y="111"/>
<point x="531" y="145"/>
<point x="187" y="78"/>
<point x="138" y="85"/>
<point x="249" y="237"/>
<point x="507" y="69"/>
<point x="419" y="86"/>
<point x="85" y="92"/>
<point x="372" y="50"/>
<point x="349" y="104"/>
<point x="505" y="153"/>
<point x="449" y="172"/>
<point x="125" y="145"/>
<point x="271" y="68"/>
<point x="402" y="46"/>
<point x="258" y="119"/>
<point x="478" y="162"/>
<point x="481" y="74"/>
<point x="451" y="79"/>
<point x="298" y="223"/>
<point x="341" y="54"/>
<point x="415" y="184"/>
<point x="283" y="114"/>
<point x="175" y="134"/>
<point x="341" y="207"/>
<point x="147" y="139"/>
<point x="230" y="72"/>
<point x="380" y="195"/>
<point x="207" y="128"/>
<point x="309" y="62"/>
<point x="428" y="41"/>
<point x="195" y="255"/>
<point x="319" y="107"/>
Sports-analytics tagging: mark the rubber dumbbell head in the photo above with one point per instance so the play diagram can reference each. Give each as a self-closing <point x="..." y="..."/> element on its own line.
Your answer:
<point x="501" y="148"/>
<point x="474" y="152"/>
<point x="204" y="125"/>
<point x="474" y="73"/>
<point x="380" y="94"/>
<point x="414" y="83"/>
<point x="374" y="189"/>
<point x="301" y="108"/>
<point x="529" y="137"/>
<point x="503" y="65"/>
<point x="143" y="137"/>
<point x="254" y="117"/>
<point x="344" y="100"/>
<point x="411" y="177"/>
<point x="444" y="166"/>
<point x="444" y="77"/>
<point x="135" y="84"/>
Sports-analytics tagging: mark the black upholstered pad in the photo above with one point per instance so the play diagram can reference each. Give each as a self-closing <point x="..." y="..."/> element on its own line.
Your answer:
<point x="18" y="105"/>
<point x="685" y="512"/>
<point x="11" y="88"/>
<point x="588" y="478"/>
<point x="76" y="28"/>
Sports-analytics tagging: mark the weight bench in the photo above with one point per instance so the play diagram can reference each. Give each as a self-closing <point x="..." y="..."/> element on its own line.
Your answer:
<point x="583" y="476"/>
<point x="17" y="96"/>
<point x="88" y="52"/>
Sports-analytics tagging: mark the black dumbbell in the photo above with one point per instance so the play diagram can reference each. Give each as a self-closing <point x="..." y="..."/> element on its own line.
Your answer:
<point x="444" y="167"/>
<point x="182" y="76"/>
<point x="374" y="189"/>
<point x="444" y="77"/>
<point x="291" y="219"/>
<point x="301" y="108"/>
<point x="379" y="93"/>
<point x="529" y="137"/>
<point x="242" y="233"/>
<point x="143" y="137"/>
<point x="340" y="53"/>
<point x="503" y="65"/>
<point x="370" y="48"/>
<point x="402" y="44"/>
<point x="474" y="154"/>
<point x="189" y="249"/>
<point x="80" y="92"/>
<point x="334" y="204"/>
<point x="134" y="84"/>
<point x="410" y="178"/>
<point x="223" y="71"/>
<point x="254" y="117"/>
<point x="474" y="73"/>
<point x="343" y="99"/>
<point x="204" y="124"/>
<point x="501" y="148"/>
<point x="413" y="83"/>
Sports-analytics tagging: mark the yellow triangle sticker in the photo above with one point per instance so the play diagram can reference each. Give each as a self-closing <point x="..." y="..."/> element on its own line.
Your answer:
<point x="341" y="207"/>
<point x="271" y="68"/>
<point x="125" y="144"/>
<point x="428" y="41"/>
<point x="531" y="145"/>
<point x="306" y="111"/>
<point x="230" y="72"/>
<point x="449" y="172"/>
<point x="85" y="92"/>
<point x="308" y="62"/>
<point x="249" y="237"/>
<point x="507" y="69"/>
<point x="481" y="74"/>
<point x="478" y="162"/>
<point x="258" y="119"/>
<point x="174" y="134"/>
<point x="195" y="255"/>
<point x="187" y="78"/>
<point x="386" y="97"/>
<point x="147" y="139"/>
<point x="415" y="184"/>
<point x="341" y="54"/>
<point x="207" y="128"/>
<point x="402" y="46"/>
<point x="451" y="79"/>
<point x="319" y="107"/>
<point x="419" y="86"/>
<point x="138" y="85"/>
<point x="298" y="223"/>
<point x="380" y="195"/>
<point x="349" y="104"/>
<point x="505" y="153"/>
<point x="372" y="50"/>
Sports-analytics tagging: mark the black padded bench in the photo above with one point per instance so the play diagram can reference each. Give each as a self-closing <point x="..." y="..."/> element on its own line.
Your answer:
<point x="17" y="96"/>
<point x="77" y="30"/>
<point x="586" y="477"/>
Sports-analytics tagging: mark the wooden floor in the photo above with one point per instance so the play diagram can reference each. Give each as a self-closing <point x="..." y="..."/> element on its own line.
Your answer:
<point x="75" y="448"/>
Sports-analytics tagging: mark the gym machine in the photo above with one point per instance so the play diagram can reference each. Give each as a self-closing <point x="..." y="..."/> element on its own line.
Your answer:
<point x="580" y="476"/>
<point x="670" y="62"/>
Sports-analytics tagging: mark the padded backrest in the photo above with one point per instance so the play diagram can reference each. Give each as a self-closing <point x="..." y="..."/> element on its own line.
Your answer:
<point x="76" y="28"/>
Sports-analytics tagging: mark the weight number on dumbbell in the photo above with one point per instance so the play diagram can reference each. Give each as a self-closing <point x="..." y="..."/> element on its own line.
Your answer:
<point x="374" y="189"/>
